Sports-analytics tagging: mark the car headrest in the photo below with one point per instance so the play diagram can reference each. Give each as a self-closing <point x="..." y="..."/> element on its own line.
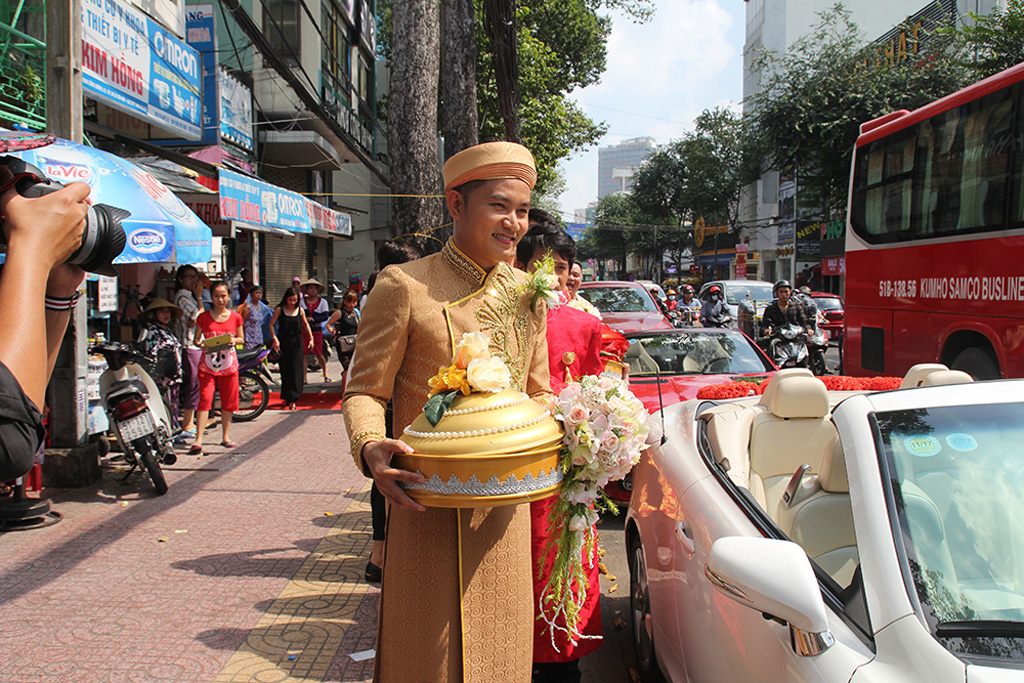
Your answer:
<point x="922" y="516"/>
<point x="796" y="394"/>
<point x="941" y="377"/>
<point x="917" y="373"/>
<point x="832" y="472"/>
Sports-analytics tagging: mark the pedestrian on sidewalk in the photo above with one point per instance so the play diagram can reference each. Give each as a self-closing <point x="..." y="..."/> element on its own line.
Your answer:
<point x="253" y="312"/>
<point x="343" y="325"/>
<point x="288" y="327"/>
<point x="317" y="311"/>
<point x="218" y="368"/>
<point x="456" y="601"/>
<point x="188" y="291"/>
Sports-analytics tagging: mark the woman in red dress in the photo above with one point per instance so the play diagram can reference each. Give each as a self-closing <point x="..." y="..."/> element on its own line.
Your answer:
<point x="574" y="346"/>
<point x="218" y="368"/>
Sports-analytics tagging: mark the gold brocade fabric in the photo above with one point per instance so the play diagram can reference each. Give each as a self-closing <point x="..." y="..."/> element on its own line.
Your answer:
<point x="407" y="330"/>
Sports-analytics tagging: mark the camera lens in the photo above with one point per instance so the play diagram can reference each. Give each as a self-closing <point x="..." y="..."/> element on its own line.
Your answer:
<point x="102" y="241"/>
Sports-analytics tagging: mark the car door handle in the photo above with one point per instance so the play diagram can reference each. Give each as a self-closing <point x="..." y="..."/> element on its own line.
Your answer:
<point x="685" y="537"/>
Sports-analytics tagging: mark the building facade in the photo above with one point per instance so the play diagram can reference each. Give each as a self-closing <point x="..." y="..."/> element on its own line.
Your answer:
<point x="770" y="209"/>
<point x="616" y="164"/>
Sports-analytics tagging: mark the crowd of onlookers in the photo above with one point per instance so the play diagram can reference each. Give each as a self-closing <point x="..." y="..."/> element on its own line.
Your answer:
<point x="207" y="320"/>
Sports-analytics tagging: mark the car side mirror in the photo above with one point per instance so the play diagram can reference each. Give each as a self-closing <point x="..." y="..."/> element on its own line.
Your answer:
<point x="775" y="578"/>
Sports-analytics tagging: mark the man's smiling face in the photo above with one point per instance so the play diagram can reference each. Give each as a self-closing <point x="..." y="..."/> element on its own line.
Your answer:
<point x="490" y="219"/>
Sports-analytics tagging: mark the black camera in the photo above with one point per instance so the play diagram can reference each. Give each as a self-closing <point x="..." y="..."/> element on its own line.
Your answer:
<point x="103" y="239"/>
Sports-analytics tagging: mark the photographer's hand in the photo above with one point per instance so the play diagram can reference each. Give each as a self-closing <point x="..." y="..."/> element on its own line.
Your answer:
<point x="41" y="234"/>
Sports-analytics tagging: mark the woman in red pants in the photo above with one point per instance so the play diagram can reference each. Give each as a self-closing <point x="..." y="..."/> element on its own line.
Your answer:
<point x="218" y="368"/>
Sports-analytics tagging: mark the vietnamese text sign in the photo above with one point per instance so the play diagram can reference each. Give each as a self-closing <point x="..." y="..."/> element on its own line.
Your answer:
<point x="251" y="200"/>
<point x="107" y="294"/>
<point x="131" y="63"/>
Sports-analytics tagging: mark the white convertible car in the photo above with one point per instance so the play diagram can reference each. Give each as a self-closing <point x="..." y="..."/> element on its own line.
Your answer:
<point x="807" y="535"/>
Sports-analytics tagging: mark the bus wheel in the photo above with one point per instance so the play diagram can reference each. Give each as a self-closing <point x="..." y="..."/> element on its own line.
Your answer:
<point x="978" y="363"/>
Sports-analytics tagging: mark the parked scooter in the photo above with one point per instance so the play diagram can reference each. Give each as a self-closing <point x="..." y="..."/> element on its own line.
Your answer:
<point x="787" y="346"/>
<point x="137" y="413"/>
<point x="253" y="392"/>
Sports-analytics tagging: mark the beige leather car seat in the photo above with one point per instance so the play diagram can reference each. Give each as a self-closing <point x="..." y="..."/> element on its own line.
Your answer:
<point x="941" y="377"/>
<point x="916" y="374"/>
<point x="792" y="432"/>
<point x="640" y="362"/>
<point x="821" y="519"/>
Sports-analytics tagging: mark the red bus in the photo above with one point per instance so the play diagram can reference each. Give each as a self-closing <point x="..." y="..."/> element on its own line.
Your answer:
<point x="935" y="236"/>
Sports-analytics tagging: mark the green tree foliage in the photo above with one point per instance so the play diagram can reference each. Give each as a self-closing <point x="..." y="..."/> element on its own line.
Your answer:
<point x="829" y="82"/>
<point x="699" y="175"/>
<point x="620" y="229"/>
<point x="994" y="42"/>
<point x="561" y="47"/>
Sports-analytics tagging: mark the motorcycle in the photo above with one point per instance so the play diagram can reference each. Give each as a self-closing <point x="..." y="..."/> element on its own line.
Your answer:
<point x="817" y="347"/>
<point x="135" y="407"/>
<point x="721" y="319"/>
<point x="686" y="316"/>
<point x="253" y="392"/>
<point x="787" y="346"/>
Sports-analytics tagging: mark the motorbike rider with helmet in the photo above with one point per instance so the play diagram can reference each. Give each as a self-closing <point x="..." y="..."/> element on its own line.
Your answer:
<point x="804" y="298"/>
<point x="671" y="303"/>
<point x="785" y="311"/>
<point x="714" y="313"/>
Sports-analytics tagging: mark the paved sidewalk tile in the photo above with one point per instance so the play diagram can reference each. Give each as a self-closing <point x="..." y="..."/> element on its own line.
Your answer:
<point x="238" y="573"/>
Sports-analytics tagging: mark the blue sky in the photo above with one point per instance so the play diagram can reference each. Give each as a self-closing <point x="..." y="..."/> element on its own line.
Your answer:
<point x="660" y="76"/>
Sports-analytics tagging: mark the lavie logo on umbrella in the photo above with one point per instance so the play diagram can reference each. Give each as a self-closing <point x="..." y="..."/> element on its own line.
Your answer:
<point x="67" y="173"/>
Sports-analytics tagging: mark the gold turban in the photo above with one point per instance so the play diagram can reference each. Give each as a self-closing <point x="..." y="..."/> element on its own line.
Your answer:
<point x="490" y="161"/>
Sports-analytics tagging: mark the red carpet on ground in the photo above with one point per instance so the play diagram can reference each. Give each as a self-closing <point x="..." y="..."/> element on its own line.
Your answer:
<point x="328" y="400"/>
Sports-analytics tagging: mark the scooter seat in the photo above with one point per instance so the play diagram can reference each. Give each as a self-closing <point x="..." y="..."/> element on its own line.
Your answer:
<point x="247" y="355"/>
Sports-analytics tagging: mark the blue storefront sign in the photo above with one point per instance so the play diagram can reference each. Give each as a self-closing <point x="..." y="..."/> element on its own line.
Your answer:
<point x="201" y="33"/>
<point x="251" y="200"/>
<point x="131" y="63"/>
<point x="256" y="202"/>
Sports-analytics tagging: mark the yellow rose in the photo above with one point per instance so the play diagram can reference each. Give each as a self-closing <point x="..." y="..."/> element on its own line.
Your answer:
<point x="448" y="378"/>
<point x="489" y="375"/>
<point x="474" y="345"/>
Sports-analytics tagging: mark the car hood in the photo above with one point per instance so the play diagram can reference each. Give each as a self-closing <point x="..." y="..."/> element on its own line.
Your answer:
<point x="991" y="674"/>
<point x="678" y="388"/>
<point x="636" y="322"/>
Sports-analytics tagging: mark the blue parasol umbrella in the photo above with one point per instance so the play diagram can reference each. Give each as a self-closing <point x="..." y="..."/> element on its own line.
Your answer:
<point x="160" y="229"/>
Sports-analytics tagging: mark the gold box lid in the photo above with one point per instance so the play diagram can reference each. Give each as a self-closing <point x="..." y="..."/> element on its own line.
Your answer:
<point x="486" y="424"/>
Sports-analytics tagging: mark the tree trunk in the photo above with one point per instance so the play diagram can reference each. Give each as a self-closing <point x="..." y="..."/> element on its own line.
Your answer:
<point x="500" y="22"/>
<point x="412" y="116"/>
<point x="458" y="76"/>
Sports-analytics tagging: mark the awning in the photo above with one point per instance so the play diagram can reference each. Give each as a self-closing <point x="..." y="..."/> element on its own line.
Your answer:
<point x="256" y="202"/>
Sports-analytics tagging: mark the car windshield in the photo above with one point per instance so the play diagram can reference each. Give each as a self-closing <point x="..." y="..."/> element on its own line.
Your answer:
<point x="956" y="474"/>
<point x="693" y="353"/>
<point x="758" y="291"/>
<point x="828" y="303"/>
<point x="619" y="299"/>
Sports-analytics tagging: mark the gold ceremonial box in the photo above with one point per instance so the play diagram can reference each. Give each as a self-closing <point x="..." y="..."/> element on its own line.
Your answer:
<point x="488" y="449"/>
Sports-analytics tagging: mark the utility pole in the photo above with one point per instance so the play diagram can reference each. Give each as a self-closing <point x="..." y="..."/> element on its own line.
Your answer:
<point x="69" y="463"/>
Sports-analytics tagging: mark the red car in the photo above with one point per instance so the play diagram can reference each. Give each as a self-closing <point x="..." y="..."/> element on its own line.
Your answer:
<point x="831" y="306"/>
<point x="669" y="367"/>
<point x="625" y="306"/>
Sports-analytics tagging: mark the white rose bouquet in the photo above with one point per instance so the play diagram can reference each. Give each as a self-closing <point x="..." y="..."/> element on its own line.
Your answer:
<point x="472" y="369"/>
<point x="605" y="431"/>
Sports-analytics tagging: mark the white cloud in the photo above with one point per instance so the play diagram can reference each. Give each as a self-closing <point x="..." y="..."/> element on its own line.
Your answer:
<point x="660" y="76"/>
